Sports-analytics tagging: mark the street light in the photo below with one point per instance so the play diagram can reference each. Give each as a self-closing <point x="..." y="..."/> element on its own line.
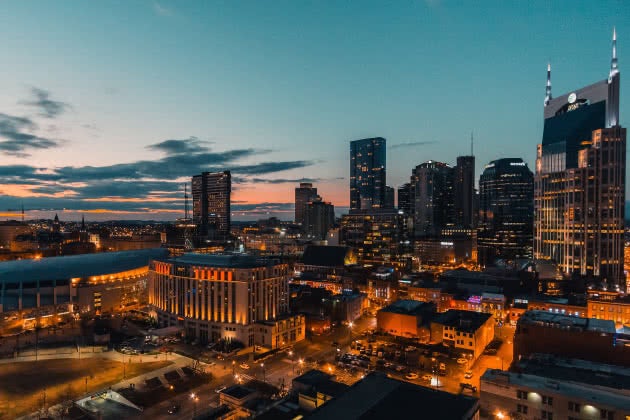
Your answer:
<point x="262" y="366"/>
<point x="233" y="366"/>
<point x="292" y="363"/>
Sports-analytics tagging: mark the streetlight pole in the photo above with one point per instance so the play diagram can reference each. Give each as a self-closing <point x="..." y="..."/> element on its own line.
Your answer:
<point x="194" y="397"/>
<point x="292" y="364"/>
<point x="262" y="366"/>
<point x="233" y="366"/>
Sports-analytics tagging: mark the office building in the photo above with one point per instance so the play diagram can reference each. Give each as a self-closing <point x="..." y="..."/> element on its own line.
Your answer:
<point x="211" y="204"/>
<point x="375" y="235"/>
<point x="304" y="194"/>
<point x="406" y="318"/>
<point x="319" y="217"/>
<point x="367" y="174"/>
<point x="432" y="184"/>
<point x="231" y="297"/>
<point x="580" y="181"/>
<point x="464" y="192"/>
<point x="467" y="332"/>
<point x="389" y="197"/>
<point x="544" y="387"/>
<point x="565" y="335"/>
<point x="405" y="199"/>
<point x="506" y="211"/>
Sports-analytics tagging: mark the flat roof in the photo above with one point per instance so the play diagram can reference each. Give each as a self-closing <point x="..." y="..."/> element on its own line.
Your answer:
<point x="576" y="370"/>
<point x="378" y="397"/>
<point x="462" y="320"/>
<point x="598" y="396"/>
<point x="238" y="391"/>
<point x="218" y="260"/>
<point x="407" y="307"/>
<point x="78" y="266"/>
<point x="544" y="318"/>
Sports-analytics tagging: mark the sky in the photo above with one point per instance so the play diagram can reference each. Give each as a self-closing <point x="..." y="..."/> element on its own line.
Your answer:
<point x="109" y="107"/>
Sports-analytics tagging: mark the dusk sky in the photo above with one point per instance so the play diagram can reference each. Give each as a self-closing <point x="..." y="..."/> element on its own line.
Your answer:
<point x="108" y="107"/>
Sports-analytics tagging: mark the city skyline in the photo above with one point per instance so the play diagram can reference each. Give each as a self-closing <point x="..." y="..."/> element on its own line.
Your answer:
<point x="120" y="143"/>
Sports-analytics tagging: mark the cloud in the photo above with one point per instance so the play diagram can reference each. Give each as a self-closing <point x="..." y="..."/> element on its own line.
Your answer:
<point x="15" y="141"/>
<point x="411" y="144"/>
<point x="176" y="147"/>
<point x="161" y="10"/>
<point x="47" y="107"/>
<point x="280" y="180"/>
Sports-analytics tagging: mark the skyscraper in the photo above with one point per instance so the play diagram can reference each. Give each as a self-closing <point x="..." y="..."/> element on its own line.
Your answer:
<point x="432" y="185"/>
<point x="211" y="203"/>
<point x="389" y="197"/>
<point x="319" y="217"/>
<point x="464" y="191"/>
<point x="367" y="174"/>
<point x="506" y="211"/>
<point x="580" y="180"/>
<point x="405" y="199"/>
<point x="303" y="194"/>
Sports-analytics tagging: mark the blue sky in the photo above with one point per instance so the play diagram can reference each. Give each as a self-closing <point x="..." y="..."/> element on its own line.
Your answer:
<point x="273" y="91"/>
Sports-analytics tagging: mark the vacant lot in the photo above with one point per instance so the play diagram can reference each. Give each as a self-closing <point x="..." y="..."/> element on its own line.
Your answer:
<point x="25" y="385"/>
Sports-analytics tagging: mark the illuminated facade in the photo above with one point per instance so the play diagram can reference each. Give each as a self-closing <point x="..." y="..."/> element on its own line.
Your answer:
<point x="217" y="297"/>
<point x="375" y="235"/>
<point x="506" y="211"/>
<point x="211" y="193"/>
<point x="579" y="196"/>
<point x="432" y="184"/>
<point x="367" y="174"/>
<point x="617" y="310"/>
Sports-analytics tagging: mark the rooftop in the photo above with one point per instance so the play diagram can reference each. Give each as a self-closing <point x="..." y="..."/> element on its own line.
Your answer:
<point x="78" y="266"/>
<point x="463" y="320"/>
<point x="408" y="307"/>
<point x="237" y="391"/>
<point x="576" y="370"/>
<point x="219" y="260"/>
<point x="325" y="256"/>
<point x="598" y="396"/>
<point x="379" y="397"/>
<point x="543" y="318"/>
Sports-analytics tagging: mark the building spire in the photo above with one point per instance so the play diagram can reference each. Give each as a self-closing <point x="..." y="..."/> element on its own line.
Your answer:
<point x="548" y="88"/>
<point x="613" y="62"/>
<point x="471" y="144"/>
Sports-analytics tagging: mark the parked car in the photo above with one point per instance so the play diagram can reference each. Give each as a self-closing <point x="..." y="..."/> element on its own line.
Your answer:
<point x="219" y="389"/>
<point x="173" y="409"/>
<point x="411" y="376"/>
<point x="468" y="374"/>
<point x="462" y="361"/>
<point x="427" y="377"/>
<point x="244" y="366"/>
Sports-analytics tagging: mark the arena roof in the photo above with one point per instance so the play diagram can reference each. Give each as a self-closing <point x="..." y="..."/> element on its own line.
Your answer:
<point x="78" y="266"/>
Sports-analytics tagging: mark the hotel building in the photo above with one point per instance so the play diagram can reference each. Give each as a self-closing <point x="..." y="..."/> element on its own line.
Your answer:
<point x="233" y="297"/>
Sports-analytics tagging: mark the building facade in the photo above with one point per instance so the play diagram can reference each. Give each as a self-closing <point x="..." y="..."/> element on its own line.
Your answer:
<point x="367" y="173"/>
<point x="211" y="192"/>
<point x="319" y="217"/>
<point x="580" y="181"/>
<point x="374" y="235"/>
<point x="506" y="211"/>
<point x="229" y="297"/>
<point x="464" y="192"/>
<point x="405" y="199"/>
<point x="432" y="184"/>
<point x="304" y="194"/>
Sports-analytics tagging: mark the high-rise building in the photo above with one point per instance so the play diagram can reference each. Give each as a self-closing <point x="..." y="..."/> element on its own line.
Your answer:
<point x="432" y="184"/>
<point x="303" y="195"/>
<point x="506" y="211"/>
<point x="319" y="217"/>
<point x="389" y="197"/>
<point x="580" y="181"/>
<point x="375" y="235"/>
<point x="211" y="203"/>
<point x="405" y="199"/>
<point x="464" y="192"/>
<point x="225" y="297"/>
<point x="367" y="174"/>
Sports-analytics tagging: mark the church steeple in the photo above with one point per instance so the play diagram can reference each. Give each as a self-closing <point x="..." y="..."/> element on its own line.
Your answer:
<point x="82" y="223"/>
<point x="548" y="88"/>
<point x="613" y="61"/>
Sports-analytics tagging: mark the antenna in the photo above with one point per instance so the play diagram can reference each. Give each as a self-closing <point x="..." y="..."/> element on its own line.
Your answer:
<point x="471" y="144"/>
